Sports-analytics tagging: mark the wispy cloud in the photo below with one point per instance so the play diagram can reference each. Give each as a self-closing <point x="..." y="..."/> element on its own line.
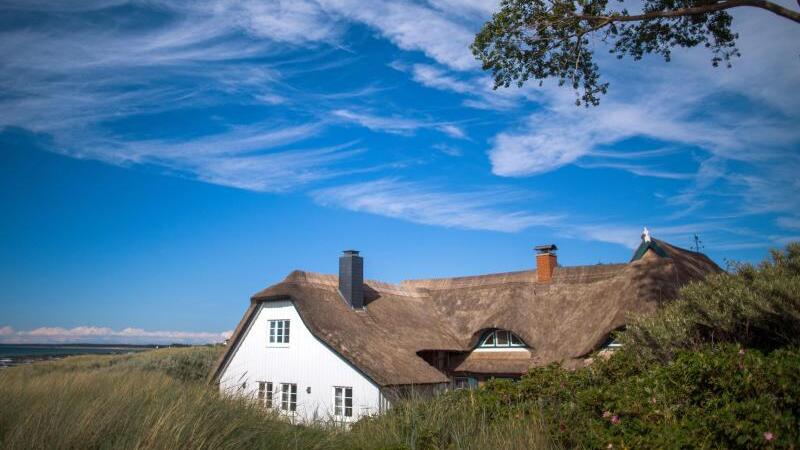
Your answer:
<point x="413" y="26"/>
<point x="398" y="125"/>
<point x="638" y="169"/>
<point x="278" y="171"/>
<point x="254" y="157"/>
<point x="395" y="124"/>
<point x="448" y="150"/>
<point x="790" y="223"/>
<point x="477" y="89"/>
<point x="165" y="66"/>
<point x="559" y="136"/>
<point x="487" y="209"/>
<point x="91" y="334"/>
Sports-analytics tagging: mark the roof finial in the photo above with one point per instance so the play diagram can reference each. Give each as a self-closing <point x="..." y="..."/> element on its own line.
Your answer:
<point x="646" y="235"/>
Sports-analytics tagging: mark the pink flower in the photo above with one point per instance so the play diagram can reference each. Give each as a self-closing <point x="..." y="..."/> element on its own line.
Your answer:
<point x="768" y="436"/>
<point x="610" y="446"/>
<point x="741" y="351"/>
<point x="615" y="419"/>
<point x="653" y="400"/>
<point x="606" y="414"/>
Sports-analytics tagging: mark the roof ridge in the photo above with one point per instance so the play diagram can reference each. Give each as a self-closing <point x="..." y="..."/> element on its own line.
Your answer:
<point x="464" y="277"/>
<point x="328" y="280"/>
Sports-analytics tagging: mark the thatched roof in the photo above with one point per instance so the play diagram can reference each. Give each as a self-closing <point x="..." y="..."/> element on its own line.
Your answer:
<point x="495" y="362"/>
<point x="560" y="320"/>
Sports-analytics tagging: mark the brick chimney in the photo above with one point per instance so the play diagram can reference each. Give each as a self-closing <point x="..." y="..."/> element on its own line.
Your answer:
<point x="351" y="278"/>
<point x="546" y="262"/>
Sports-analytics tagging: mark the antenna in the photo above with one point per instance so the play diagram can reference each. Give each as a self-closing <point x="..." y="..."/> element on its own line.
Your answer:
<point x="698" y="244"/>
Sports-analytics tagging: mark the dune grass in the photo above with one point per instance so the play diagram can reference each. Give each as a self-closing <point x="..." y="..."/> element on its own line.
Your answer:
<point x="148" y="400"/>
<point x="158" y="400"/>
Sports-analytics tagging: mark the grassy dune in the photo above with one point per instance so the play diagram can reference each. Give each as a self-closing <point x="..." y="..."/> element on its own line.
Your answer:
<point x="148" y="400"/>
<point x="157" y="400"/>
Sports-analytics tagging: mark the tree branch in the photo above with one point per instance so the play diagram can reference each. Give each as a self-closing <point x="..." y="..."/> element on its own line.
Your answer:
<point x="697" y="10"/>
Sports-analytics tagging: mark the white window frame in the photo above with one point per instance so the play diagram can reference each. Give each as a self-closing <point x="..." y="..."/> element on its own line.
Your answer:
<point x="265" y="393"/>
<point x="279" y="333"/>
<point x="340" y="408"/>
<point x="493" y="336"/>
<point x="289" y="397"/>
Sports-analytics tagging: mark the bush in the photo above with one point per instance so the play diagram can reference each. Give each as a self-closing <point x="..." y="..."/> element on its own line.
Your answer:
<point x="718" y="397"/>
<point x="754" y="306"/>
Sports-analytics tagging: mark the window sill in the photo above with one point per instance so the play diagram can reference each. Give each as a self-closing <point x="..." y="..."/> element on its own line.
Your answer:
<point x="277" y="345"/>
<point x="502" y="349"/>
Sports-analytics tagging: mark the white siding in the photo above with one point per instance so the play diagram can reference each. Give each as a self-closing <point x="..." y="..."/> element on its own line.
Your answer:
<point x="305" y="361"/>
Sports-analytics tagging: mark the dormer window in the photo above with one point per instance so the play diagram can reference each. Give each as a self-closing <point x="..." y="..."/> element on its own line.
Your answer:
<point x="500" y="339"/>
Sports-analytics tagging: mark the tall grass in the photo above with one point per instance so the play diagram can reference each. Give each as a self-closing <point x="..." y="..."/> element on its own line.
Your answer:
<point x="157" y="400"/>
<point x="133" y="401"/>
<point x="453" y="420"/>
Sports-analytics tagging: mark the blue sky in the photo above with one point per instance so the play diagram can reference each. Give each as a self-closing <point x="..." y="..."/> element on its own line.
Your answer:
<point x="161" y="161"/>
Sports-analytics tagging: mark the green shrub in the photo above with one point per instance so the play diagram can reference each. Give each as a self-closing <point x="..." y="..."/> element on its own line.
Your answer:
<point x="754" y="306"/>
<point x="717" y="397"/>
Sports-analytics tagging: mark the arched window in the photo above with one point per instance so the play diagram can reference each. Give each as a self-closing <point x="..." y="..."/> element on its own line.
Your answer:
<point x="500" y="338"/>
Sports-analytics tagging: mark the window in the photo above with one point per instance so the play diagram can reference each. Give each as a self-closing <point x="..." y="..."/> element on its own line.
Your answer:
<point x="278" y="331"/>
<point x="461" y="383"/>
<point x="500" y="338"/>
<point x="343" y="401"/>
<point x="265" y="393"/>
<point x="288" y="396"/>
<point x="465" y="383"/>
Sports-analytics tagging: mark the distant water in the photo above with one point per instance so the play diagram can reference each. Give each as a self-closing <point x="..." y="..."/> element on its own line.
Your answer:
<point x="12" y="354"/>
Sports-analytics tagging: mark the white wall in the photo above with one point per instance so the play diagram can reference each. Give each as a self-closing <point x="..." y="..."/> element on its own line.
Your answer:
<point x="305" y="361"/>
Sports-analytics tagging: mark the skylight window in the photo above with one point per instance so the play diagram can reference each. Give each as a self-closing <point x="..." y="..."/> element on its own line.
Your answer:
<point x="500" y="338"/>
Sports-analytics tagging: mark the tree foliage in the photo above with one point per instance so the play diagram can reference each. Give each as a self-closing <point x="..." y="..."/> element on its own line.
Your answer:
<point x="540" y="39"/>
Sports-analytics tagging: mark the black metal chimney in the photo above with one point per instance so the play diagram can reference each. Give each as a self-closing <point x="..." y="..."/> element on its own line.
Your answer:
<point x="351" y="278"/>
